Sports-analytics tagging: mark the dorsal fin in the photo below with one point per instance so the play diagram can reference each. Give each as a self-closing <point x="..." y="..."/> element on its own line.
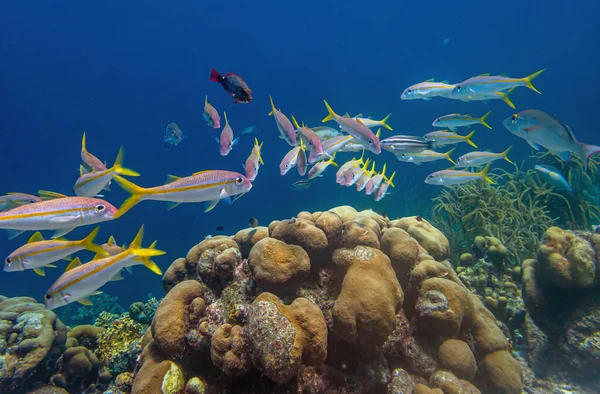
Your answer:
<point x="75" y="263"/>
<point x="37" y="237"/>
<point x="358" y="120"/>
<point x="111" y="241"/>
<point x="48" y="195"/>
<point x="200" y="172"/>
<point x="430" y="80"/>
<point x="137" y="241"/>
<point x="484" y="75"/>
<point x="171" y="178"/>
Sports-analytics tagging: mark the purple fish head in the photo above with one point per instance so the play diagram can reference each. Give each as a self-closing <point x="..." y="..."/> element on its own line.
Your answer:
<point x="225" y="144"/>
<point x="97" y="210"/>
<point x="251" y="168"/>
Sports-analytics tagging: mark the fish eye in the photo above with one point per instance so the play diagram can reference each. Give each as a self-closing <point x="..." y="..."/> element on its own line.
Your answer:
<point x="287" y="165"/>
<point x="8" y="261"/>
<point x="514" y="118"/>
<point x="239" y="180"/>
<point x="47" y="296"/>
<point x="100" y="208"/>
<point x="458" y="87"/>
<point x="31" y="201"/>
<point x="409" y="91"/>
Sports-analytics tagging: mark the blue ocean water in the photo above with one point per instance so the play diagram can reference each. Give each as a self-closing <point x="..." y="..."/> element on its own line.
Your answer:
<point x="122" y="70"/>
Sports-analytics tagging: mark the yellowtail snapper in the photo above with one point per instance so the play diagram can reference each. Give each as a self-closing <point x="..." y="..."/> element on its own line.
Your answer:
<point x="475" y="159"/>
<point x="454" y="121"/>
<point x="80" y="281"/>
<point x="356" y="129"/>
<point x="455" y="177"/>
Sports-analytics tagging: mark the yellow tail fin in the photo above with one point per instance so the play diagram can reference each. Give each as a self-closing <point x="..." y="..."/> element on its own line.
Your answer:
<point x="136" y="195"/>
<point x="447" y="156"/>
<point x="506" y="99"/>
<point x="468" y="139"/>
<point x="505" y="155"/>
<point x="256" y="144"/>
<point x="226" y="121"/>
<point x="390" y="180"/>
<point x="384" y="122"/>
<point x="272" y="106"/>
<point x="88" y="243"/>
<point x="483" y="118"/>
<point x="118" y="166"/>
<point x="83" y="148"/>
<point x="143" y="254"/>
<point x="383" y="171"/>
<point x="296" y="125"/>
<point x="483" y="173"/>
<point x="530" y="78"/>
<point x="331" y="113"/>
<point x="206" y="100"/>
<point x="378" y="132"/>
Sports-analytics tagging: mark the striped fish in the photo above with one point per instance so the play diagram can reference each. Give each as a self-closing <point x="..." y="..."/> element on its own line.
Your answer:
<point x="330" y="147"/>
<point x="61" y="214"/>
<point x="383" y="187"/>
<point x="285" y="127"/>
<point x="289" y="160"/>
<point x="455" y="177"/>
<point x="39" y="253"/>
<point x="356" y="129"/>
<point x="253" y="161"/>
<point x="205" y="186"/>
<point x="91" y="183"/>
<point x="405" y="144"/>
<point x="375" y="181"/>
<point x="79" y="281"/>
<point x="309" y="138"/>
<point x="13" y="200"/>
<point x="226" y="141"/>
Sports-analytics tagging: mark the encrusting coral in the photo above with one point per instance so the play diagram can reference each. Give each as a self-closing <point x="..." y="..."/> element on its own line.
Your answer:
<point x="118" y="345"/>
<point x="357" y="303"/>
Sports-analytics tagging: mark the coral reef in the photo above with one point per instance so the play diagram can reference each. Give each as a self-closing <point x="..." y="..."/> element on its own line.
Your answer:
<point x="118" y="345"/>
<point x="143" y="312"/>
<point x="31" y="337"/>
<point x="356" y="304"/>
<point x="75" y="314"/>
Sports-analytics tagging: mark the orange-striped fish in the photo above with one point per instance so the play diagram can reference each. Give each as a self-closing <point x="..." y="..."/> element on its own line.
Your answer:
<point x="39" y="253"/>
<point x="61" y="214"/>
<point x="79" y="281"/>
<point x="205" y="186"/>
<point x="112" y="247"/>
<point x="355" y="128"/>
<point x="254" y="161"/>
<point x="91" y="183"/>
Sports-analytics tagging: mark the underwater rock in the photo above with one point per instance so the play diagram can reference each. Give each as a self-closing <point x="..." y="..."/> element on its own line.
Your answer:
<point x="303" y="233"/>
<point x="364" y="312"/>
<point x="248" y="237"/>
<point x="277" y="266"/>
<point x="503" y="374"/>
<point x="282" y="337"/>
<point x="401" y="382"/>
<point x="566" y="259"/>
<point x="345" y="212"/>
<point x="143" y="312"/>
<point x="30" y="338"/>
<point x="429" y="237"/>
<point x="229" y="350"/>
<point x="80" y="369"/>
<point x="456" y="356"/>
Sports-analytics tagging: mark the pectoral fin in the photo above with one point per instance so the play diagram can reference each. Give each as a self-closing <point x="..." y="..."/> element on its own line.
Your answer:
<point x="14" y="233"/>
<point x="61" y="232"/>
<point x="209" y="205"/>
<point x="85" y="301"/>
<point x="40" y="271"/>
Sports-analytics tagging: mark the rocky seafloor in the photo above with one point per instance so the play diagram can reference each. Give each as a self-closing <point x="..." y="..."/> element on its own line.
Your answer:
<point x="331" y="302"/>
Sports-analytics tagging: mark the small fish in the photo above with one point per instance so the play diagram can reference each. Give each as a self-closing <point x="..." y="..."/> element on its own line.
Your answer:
<point x="454" y="121"/>
<point x="354" y="173"/>
<point x="220" y="228"/>
<point x="339" y="176"/>
<point x="427" y="90"/>
<point x="474" y="159"/>
<point x="353" y="146"/>
<point x="325" y="132"/>
<point x="173" y="135"/>
<point x="234" y="85"/>
<point x="91" y="183"/>
<point x="446" y="41"/>
<point x="553" y="177"/>
<point x="540" y="129"/>
<point x="111" y="246"/>
<point x="405" y="144"/>
<point x="38" y="253"/>
<point x="91" y="162"/>
<point x="211" y="115"/>
<point x="12" y="200"/>
<point x="309" y="138"/>
<point x="205" y="186"/>
<point x="383" y="188"/>
<point x="425" y="156"/>
<point x="226" y="141"/>
<point x="384" y="214"/>
<point x="362" y="181"/>
<point x="330" y="147"/>
<point x="319" y="167"/>
<point x="301" y="161"/>
<point x="285" y="127"/>
<point x="254" y="161"/>
<point x="486" y="84"/>
<point x="443" y="137"/>
<point x="302" y="184"/>
<point x="356" y="129"/>
<point x="370" y="123"/>
<point x="61" y="214"/>
<point x="289" y="160"/>
<point x="251" y="130"/>
<point x="374" y="182"/>
<point x="79" y="281"/>
<point x="454" y="177"/>
<point x="253" y="222"/>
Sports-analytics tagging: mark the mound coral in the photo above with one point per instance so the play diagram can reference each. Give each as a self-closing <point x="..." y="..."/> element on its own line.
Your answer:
<point x="357" y="303"/>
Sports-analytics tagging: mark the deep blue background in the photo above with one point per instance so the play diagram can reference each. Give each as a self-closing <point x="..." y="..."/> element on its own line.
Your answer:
<point x="123" y="70"/>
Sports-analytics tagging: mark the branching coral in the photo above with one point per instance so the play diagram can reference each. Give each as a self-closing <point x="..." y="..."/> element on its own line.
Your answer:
<point x="514" y="210"/>
<point x="118" y="345"/>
